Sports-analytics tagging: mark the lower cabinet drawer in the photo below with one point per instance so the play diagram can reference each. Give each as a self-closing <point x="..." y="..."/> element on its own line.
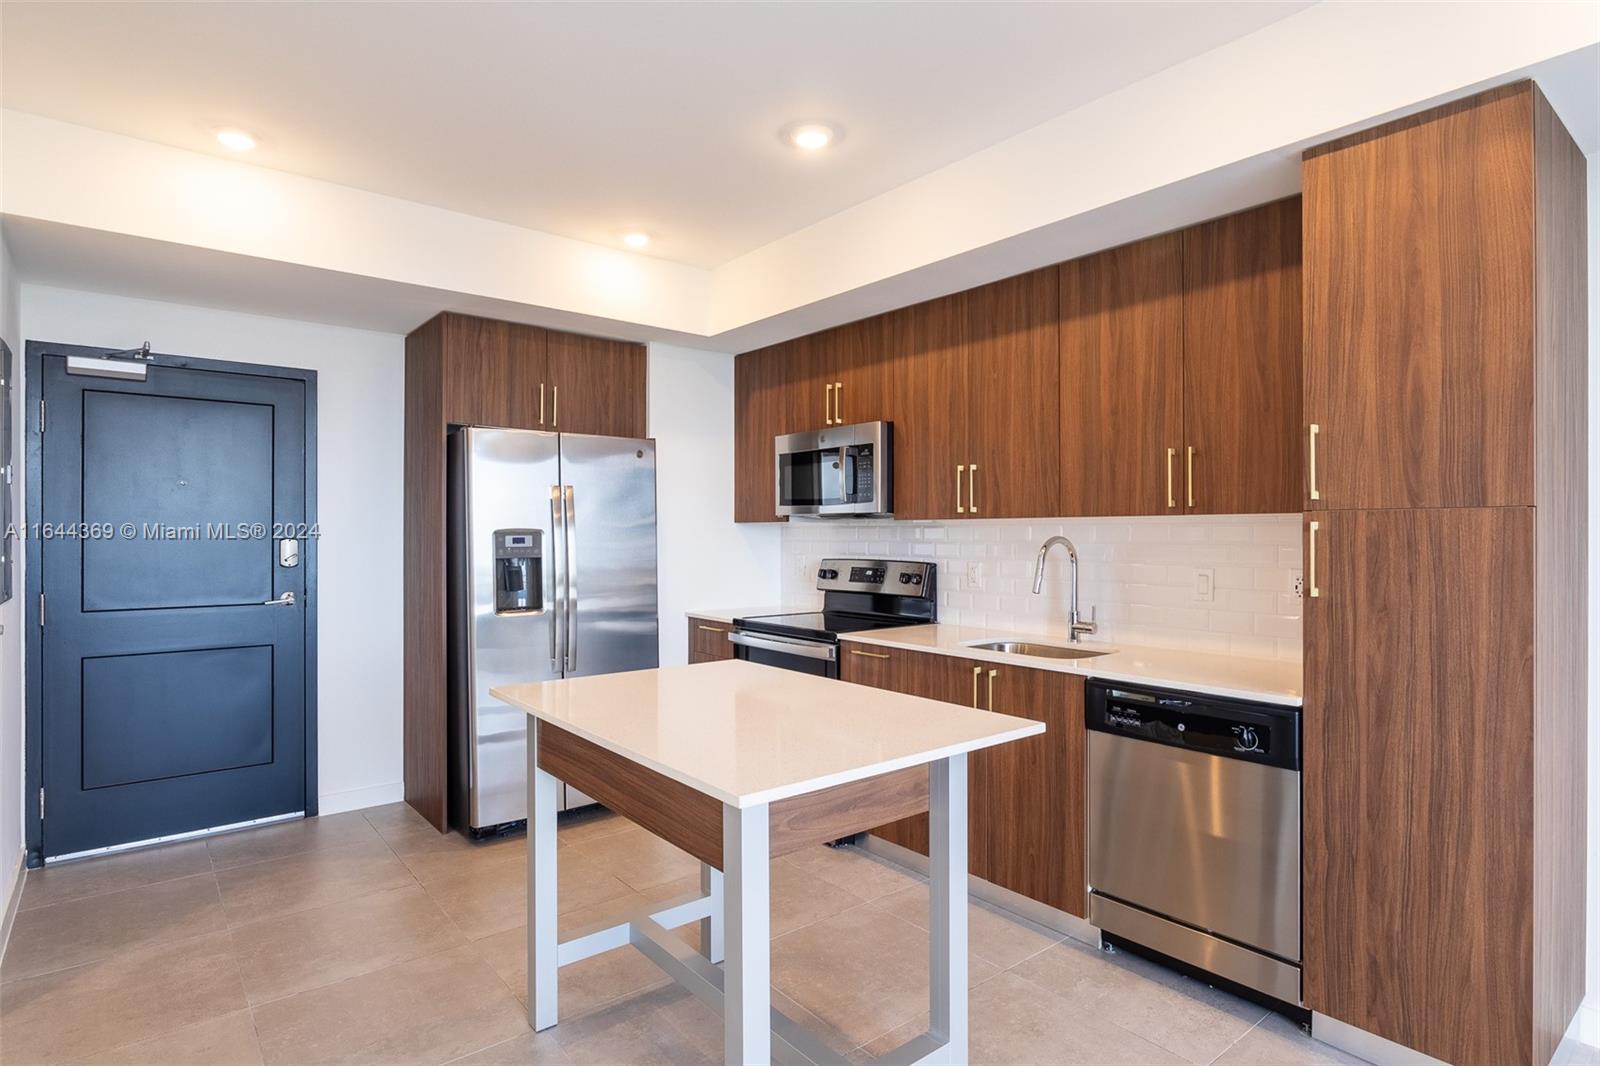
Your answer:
<point x="708" y="640"/>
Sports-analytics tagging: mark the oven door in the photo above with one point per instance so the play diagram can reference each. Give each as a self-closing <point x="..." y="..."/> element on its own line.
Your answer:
<point x="786" y="653"/>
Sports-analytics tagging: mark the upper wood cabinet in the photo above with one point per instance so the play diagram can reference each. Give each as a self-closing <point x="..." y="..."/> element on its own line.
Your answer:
<point x="1241" y="363"/>
<point x="760" y="403"/>
<point x="1122" y="380"/>
<point x="596" y="386"/>
<point x="1419" y="327"/>
<point x="925" y="391"/>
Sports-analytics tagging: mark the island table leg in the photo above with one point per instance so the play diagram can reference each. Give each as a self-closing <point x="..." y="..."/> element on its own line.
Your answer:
<point x="711" y="925"/>
<point x="947" y="906"/>
<point x="543" y="960"/>
<point x="747" y="984"/>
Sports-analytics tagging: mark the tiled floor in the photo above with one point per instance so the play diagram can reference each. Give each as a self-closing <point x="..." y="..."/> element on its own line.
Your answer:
<point x="369" y="938"/>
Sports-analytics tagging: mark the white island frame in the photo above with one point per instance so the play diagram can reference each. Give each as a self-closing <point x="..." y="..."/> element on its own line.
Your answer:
<point x="788" y="759"/>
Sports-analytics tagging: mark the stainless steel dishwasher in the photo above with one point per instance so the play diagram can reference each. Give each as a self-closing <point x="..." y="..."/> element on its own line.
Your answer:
<point x="1194" y="831"/>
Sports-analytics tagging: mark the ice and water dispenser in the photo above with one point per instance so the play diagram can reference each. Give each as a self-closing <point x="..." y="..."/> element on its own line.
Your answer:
<point x="518" y="571"/>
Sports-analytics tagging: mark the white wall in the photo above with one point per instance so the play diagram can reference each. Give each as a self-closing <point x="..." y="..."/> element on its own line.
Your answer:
<point x="11" y="618"/>
<point x="1593" y="917"/>
<point x="360" y="419"/>
<point x="1138" y="573"/>
<point x="705" y="560"/>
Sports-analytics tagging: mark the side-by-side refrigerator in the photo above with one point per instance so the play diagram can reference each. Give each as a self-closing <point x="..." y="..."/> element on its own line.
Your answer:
<point x="551" y="573"/>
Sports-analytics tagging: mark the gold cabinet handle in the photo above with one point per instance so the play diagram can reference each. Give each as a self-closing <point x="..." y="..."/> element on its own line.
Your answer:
<point x="838" y="403"/>
<point x="868" y="654"/>
<point x="991" y="688"/>
<point x="1311" y="460"/>
<point x="555" y="405"/>
<point x="713" y="629"/>
<point x="1188" y="476"/>
<point x="541" y="403"/>
<point x="977" y="672"/>
<point x="959" y="471"/>
<point x="972" y="488"/>
<point x="1311" y="566"/>
<point x="827" y="405"/>
<point x="1170" y="501"/>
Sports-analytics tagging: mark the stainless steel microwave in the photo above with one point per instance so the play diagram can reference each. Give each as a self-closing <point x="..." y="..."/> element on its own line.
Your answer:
<point x="845" y="470"/>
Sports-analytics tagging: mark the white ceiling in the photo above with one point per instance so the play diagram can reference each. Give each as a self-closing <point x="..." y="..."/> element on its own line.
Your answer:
<point x="587" y="120"/>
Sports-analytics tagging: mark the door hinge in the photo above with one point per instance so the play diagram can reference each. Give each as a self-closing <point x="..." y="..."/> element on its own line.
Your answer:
<point x="41" y="609"/>
<point x="41" y="414"/>
<point x="41" y="803"/>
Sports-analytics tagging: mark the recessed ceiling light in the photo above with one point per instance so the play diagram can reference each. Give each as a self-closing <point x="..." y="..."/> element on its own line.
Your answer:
<point x="235" y="140"/>
<point x="636" y="239"/>
<point x="810" y="136"/>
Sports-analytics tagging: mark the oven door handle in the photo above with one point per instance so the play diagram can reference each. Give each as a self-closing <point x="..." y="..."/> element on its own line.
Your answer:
<point x="804" y="648"/>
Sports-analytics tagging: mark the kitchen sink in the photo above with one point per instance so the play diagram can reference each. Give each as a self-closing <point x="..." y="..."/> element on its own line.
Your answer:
<point x="1042" y="651"/>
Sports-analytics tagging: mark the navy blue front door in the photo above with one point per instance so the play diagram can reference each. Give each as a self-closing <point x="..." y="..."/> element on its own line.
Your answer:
<point x="173" y="666"/>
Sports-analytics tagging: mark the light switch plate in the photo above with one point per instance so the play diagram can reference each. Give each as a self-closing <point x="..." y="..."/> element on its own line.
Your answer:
<point x="1205" y="585"/>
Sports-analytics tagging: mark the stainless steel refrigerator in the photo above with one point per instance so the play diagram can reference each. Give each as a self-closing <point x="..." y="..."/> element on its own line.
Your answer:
<point x="551" y="573"/>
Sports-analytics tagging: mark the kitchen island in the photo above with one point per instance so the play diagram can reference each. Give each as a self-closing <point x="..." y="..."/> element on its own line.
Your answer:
<point x="736" y="763"/>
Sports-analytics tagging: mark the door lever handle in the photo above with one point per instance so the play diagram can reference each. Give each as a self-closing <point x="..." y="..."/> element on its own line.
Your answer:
<point x="286" y="600"/>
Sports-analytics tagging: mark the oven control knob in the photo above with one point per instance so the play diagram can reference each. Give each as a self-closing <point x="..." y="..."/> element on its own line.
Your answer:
<point x="1248" y="741"/>
<point x="905" y="579"/>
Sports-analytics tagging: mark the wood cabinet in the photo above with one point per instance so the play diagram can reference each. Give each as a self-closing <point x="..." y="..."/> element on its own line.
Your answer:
<point x="708" y="640"/>
<point x="1419" y="242"/>
<point x="1445" y="669"/>
<point x="758" y="403"/>
<point x="1122" y="380"/>
<point x="1241" y="363"/>
<point x="1025" y="799"/>
<point x="925" y="397"/>
<point x="462" y="370"/>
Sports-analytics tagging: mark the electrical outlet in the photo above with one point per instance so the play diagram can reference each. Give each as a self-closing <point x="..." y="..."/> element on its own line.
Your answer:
<point x="1205" y="585"/>
<point x="975" y="575"/>
<point x="1299" y="581"/>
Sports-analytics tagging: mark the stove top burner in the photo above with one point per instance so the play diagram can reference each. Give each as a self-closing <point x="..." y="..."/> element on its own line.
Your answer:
<point x="820" y="625"/>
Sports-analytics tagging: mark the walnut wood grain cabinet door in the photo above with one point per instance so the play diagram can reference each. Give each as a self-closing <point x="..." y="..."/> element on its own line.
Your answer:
<point x="1013" y="352"/>
<point x="1418" y="781"/>
<point x="492" y="372"/>
<point x="1033" y="799"/>
<point x="596" y="386"/>
<point x="1242" y="448"/>
<point x="1419" y="310"/>
<point x="935" y="677"/>
<point x="856" y="367"/>
<point x="757" y="414"/>
<point x="925" y="396"/>
<point x="1122" y="380"/>
<point x="708" y="641"/>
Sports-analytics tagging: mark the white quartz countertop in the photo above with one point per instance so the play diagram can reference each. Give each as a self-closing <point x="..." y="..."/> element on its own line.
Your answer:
<point x="1235" y="676"/>
<point x="749" y="734"/>
<point x="728" y="614"/>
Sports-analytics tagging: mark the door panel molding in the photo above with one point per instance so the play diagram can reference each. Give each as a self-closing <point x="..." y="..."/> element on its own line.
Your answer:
<point x="34" y="353"/>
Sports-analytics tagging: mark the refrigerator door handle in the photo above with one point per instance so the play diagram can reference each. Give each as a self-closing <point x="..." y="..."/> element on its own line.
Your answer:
<point x="571" y="526"/>
<point x="557" y="575"/>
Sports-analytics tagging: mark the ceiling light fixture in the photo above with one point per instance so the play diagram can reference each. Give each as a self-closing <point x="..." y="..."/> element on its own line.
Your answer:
<point x="235" y="140"/>
<point x="636" y="240"/>
<point x="810" y="136"/>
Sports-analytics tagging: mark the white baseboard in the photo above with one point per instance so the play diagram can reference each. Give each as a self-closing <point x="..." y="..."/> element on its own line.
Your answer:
<point x="355" y="799"/>
<point x="13" y="901"/>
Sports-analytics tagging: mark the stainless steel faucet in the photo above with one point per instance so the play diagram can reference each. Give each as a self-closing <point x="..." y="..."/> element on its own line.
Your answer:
<point x="1075" y="626"/>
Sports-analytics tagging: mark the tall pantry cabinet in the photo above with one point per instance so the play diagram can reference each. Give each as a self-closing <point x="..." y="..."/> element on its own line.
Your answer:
<point x="1445" y="660"/>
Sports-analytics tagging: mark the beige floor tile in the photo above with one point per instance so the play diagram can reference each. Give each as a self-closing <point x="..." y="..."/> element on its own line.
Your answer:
<point x="854" y="870"/>
<point x="529" y="1049"/>
<point x="226" y="1041"/>
<point x="584" y="986"/>
<point x="994" y="937"/>
<point x="639" y="859"/>
<point x="591" y="823"/>
<point x="452" y="855"/>
<point x="324" y="945"/>
<point x="68" y="1015"/>
<point x="1183" y="1016"/>
<point x="861" y="971"/>
<point x="290" y="838"/>
<point x="664" y="1025"/>
<point x="395" y="816"/>
<point x="494" y="899"/>
<point x="428" y="1010"/>
<point x="311" y="879"/>
<point x="800" y="897"/>
<point x="96" y="927"/>
<point x="1279" y="1042"/>
<point x="1013" y="1021"/>
<point x="62" y="882"/>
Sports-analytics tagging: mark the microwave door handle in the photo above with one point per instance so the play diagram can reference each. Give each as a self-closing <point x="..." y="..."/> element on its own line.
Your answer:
<point x="847" y="475"/>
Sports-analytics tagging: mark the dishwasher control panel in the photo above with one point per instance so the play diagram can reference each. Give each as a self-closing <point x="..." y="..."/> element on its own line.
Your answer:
<point x="1253" y="732"/>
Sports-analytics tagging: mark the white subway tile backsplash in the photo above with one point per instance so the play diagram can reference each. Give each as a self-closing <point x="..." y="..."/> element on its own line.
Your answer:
<point x="1138" y="574"/>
